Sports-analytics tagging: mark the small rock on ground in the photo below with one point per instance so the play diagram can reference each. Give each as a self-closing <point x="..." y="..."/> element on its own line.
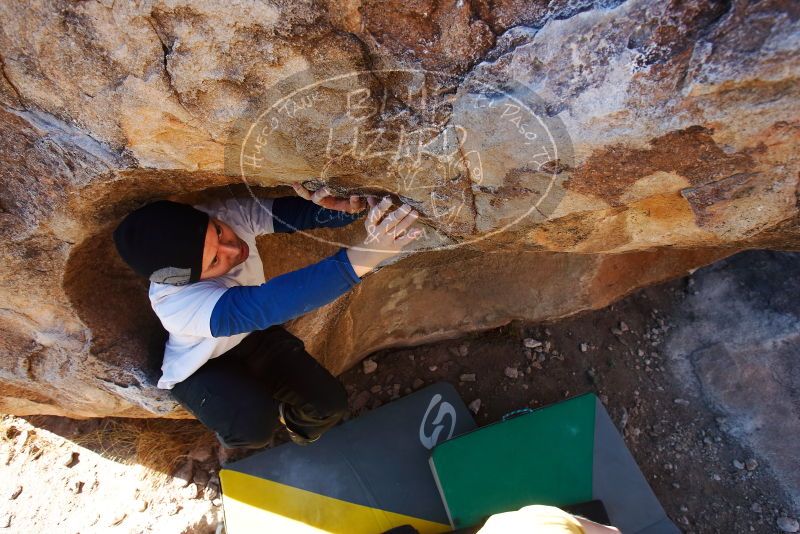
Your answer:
<point x="201" y="454"/>
<point x="475" y="406"/>
<point x="788" y="524"/>
<point x="75" y="486"/>
<point x="201" y="477"/>
<point x="531" y="343"/>
<point x="190" y="491"/>
<point x="72" y="459"/>
<point x="183" y="474"/>
<point x="117" y="518"/>
<point x="361" y="400"/>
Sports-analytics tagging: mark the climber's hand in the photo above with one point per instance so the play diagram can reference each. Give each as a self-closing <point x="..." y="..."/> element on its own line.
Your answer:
<point x="323" y="197"/>
<point x="386" y="235"/>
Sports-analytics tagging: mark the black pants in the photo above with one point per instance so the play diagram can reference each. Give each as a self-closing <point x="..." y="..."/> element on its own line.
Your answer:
<point x="237" y="393"/>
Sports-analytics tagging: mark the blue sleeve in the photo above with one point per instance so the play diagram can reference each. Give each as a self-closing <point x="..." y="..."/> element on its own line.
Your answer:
<point x="296" y="213"/>
<point x="248" y="308"/>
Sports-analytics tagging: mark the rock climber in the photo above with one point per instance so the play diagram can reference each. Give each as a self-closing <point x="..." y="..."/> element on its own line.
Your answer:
<point x="228" y="360"/>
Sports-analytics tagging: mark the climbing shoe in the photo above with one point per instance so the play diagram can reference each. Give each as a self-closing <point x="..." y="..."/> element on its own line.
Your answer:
<point x="296" y="436"/>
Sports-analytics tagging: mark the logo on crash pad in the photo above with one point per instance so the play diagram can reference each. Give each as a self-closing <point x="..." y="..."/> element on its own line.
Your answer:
<point x="446" y="412"/>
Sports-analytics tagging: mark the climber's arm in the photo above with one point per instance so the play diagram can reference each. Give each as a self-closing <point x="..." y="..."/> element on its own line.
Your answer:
<point x="248" y="308"/>
<point x="295" y="213"/>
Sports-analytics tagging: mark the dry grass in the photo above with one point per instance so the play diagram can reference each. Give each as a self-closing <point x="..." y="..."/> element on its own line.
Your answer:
<point x="158" y="445"/>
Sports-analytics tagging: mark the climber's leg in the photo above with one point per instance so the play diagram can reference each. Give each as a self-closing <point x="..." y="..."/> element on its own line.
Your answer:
<point x="314" y="400"/>
<point x="229" y="400"/>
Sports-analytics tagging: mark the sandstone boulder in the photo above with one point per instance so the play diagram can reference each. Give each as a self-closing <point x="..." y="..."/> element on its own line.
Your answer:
<point x="562" y="154"/>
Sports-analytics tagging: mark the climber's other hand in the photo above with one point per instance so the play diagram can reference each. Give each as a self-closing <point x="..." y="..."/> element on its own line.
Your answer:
<point x="324" y="197"/>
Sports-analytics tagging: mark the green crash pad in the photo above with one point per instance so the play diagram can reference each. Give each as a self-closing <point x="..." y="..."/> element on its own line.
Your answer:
<point x="560" y="455"/>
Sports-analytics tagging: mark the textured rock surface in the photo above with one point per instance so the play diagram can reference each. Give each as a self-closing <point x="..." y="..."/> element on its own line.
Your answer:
<point x="675" y="132"/>
<point x="741" y="356"/>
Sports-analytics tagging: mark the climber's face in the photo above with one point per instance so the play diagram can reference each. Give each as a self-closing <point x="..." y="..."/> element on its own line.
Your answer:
<point x="223" y="250"/>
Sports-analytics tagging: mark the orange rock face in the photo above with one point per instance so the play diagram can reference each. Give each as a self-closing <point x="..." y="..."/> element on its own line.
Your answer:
<point x="562" y="154"/>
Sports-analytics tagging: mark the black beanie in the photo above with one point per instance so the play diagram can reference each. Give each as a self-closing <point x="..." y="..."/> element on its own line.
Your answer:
<point x="164" y="242"/>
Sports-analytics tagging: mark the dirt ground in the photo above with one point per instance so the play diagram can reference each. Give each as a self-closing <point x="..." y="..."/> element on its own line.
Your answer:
<point x="706" y="480"/>
<point x="112" y="475"/>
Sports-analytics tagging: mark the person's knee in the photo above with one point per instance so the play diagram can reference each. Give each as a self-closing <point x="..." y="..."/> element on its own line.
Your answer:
<point x="330" y="399"/>
<point x="256" y="437"/>
<point x="251" y="428"/>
